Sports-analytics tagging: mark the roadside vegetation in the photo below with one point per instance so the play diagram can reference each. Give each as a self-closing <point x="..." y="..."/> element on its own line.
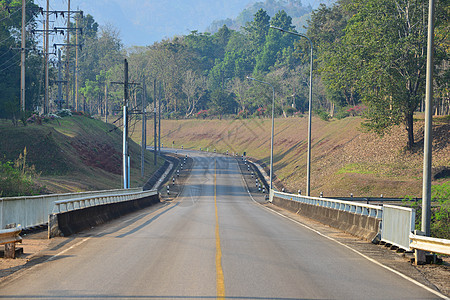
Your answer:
<point x="65" y="154"/>
<point x="440" y="210"/>
<point x="17" y="178"/>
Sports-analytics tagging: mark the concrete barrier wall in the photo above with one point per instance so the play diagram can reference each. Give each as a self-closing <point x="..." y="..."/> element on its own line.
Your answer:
<point x="70" y="222"/>
<point x="358" y="225"/>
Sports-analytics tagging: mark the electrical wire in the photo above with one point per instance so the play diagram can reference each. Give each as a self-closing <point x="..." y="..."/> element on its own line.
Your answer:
<point x="10" y="14"/>
<point x="11" y="65"/>
<point x="6" y="52"/>
<point x="12" y="57"/>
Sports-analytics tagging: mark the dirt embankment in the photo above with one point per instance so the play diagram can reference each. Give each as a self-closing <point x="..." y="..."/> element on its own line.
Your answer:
<point x="344" y="158"/>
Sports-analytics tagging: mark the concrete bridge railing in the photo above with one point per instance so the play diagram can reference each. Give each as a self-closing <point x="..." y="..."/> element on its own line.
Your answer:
<point x="32" y="211"/>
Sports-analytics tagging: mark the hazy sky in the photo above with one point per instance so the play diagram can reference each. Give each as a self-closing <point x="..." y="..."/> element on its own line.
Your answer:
<point x="143" y="22"/>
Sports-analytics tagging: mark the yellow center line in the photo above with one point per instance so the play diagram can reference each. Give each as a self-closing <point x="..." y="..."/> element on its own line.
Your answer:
<point x="219" y="276"/>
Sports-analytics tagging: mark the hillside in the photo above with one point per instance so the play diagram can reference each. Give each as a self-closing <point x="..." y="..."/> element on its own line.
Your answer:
<point x="294" y="8"/>
<point x="344" y="159"/>
<point x="72" y="154"/>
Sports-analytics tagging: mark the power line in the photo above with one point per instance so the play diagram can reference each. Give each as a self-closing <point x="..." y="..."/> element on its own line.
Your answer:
<point x="12" y="57"/>
<point x="14" y="63"/>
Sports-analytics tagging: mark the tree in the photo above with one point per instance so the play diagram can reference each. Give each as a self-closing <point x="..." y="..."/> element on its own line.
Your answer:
<point x="258" y="29"/>
<point x="275" y="42"/>
<point x="222" y="102"/>
<point x="194" y="88"/>
<point x="10" y="35"/>
<point x="326" y="29"/>
<point x="384" y="56"/>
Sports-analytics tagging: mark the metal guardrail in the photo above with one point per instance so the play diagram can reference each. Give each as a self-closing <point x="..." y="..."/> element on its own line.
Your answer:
<point x="30" y="211"/>
<point x="376" y="199"/>
<point x="398" y="222"/>
<point x="434" y="245"/>
<point x="83" y="202"/>
<point x="11" y="235"/>
<point x="353" y="207"/>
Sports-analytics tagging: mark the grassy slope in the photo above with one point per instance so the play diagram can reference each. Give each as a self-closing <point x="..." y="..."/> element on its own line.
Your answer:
<point x="73" y="154"/>
<point x="344" y="159"/>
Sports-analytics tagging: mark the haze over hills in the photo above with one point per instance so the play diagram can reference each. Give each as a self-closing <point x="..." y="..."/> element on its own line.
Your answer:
<point x="144" y="22"/>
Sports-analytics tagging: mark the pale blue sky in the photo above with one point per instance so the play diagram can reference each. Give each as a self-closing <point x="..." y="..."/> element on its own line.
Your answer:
<point x="143" y="22"/>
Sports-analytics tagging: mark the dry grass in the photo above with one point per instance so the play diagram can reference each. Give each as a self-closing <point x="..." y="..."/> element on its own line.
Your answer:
<point x="344" y="159"/>
<point x="74" y="154"/>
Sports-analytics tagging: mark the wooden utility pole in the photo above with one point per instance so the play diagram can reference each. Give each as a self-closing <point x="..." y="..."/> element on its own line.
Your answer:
<point x="144" y="129"/>
<point x="46" y="100"/>
<point x="76" y="63"/>
<point x="154" y="121"/>
<point x="68" y="54"/>
<point x="22" y="58"/>
<point x="159" y="119"/>
<point x="106" y="101"/>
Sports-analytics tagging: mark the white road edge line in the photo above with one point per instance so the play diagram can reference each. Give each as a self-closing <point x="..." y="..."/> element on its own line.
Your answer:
<point x="348" y="247"/>
<point x="101" y="232"/>
<point x="363" y="255"/>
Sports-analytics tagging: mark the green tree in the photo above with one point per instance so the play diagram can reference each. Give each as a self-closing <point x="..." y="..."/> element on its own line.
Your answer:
<point x="222" y="102"/>
<point x="326" y="29"/>
<point x="257" y="30"/>
<point x="10" y="35"/>
<point x="384" y="56"/>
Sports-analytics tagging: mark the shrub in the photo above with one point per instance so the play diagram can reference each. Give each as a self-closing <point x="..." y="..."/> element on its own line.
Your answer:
<point x="290" y="110"/>
<point x="440" y="211"/>
<point x="341" y="113"/>
<point x="356" y="110"/>
<point x="64" y="113"/>
<point x="323" y="114"/>
<point x="203" y="114"/>
<point x="16" y="178"/>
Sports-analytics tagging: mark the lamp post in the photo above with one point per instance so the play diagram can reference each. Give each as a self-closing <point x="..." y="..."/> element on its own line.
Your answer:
<point x="308" y="165"/>
<point x="271" y="138"/>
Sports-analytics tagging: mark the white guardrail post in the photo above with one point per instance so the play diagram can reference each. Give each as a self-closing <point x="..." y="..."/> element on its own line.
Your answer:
<point x="434" y="245"/>
<point x="9" y="238"/>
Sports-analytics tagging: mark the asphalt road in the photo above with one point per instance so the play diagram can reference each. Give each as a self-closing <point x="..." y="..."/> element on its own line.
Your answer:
<point x="212" y="241"/>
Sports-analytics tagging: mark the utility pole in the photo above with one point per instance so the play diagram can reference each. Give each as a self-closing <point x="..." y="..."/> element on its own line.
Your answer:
<point x="106" y="101"/>
<point x="125" y="127"/>
<point x="59" y="100"/>
<point x="46" y="100"/>
<point x="44" y="62"/>
<point x="144" y="129"/>
<point x="22" y="58"/>
<point x="67" y="53"/>
<point x="159" y="119"/>
<point x="154" y="114"/>
<point x="76" y="64"/>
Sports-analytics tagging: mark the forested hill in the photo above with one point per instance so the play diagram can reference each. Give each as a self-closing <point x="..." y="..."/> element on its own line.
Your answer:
<point x="369" y="59"/>
<point x="298" y="11"/>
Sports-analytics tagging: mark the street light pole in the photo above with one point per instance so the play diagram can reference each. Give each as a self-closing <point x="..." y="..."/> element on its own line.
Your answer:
<point x="428" y="137"/>
<point x="271" y="138"/>
<point x="308" y="165"/>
